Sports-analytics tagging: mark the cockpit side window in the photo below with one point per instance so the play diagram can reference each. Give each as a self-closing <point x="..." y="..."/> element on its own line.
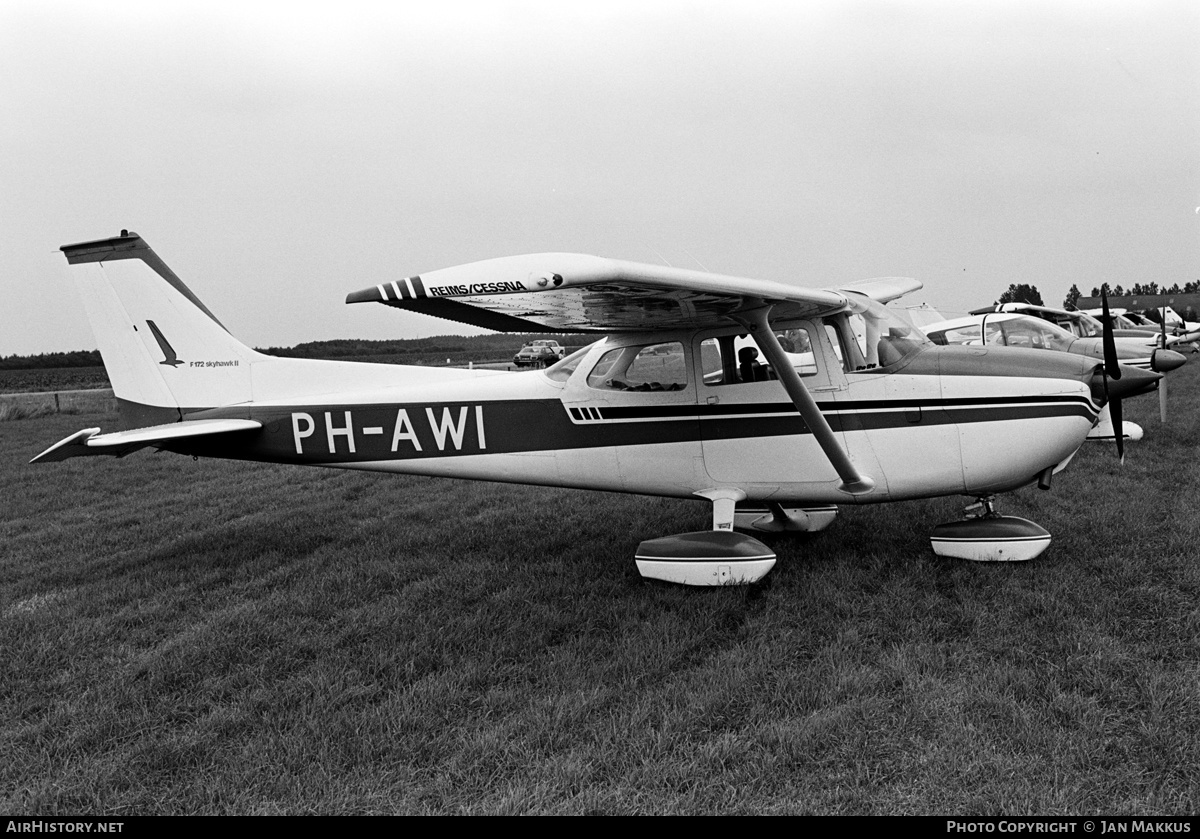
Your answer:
<point x="841" y="335"/>
<point x="735" y="359"/>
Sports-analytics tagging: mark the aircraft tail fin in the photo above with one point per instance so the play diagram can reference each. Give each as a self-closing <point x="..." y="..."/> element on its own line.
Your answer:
<point x="164" y="351"/>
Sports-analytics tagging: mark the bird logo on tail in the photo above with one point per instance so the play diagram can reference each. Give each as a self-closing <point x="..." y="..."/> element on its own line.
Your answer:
<point x="169" y="357"/>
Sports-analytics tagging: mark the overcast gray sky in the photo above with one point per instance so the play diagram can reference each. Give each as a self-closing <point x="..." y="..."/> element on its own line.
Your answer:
<point x="280" y="155"/>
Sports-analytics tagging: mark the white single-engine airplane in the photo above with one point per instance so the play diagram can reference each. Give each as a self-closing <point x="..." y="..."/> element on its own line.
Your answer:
<point x="667" y="403"/>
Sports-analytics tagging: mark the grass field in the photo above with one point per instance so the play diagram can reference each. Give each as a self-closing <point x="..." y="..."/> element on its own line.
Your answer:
<point x="205" y="637"/>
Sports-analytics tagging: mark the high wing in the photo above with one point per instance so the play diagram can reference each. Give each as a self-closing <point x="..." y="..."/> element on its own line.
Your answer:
<point x="884" y="289"/>
<point x="90" y="441"/>
<point x="565" y="292"/>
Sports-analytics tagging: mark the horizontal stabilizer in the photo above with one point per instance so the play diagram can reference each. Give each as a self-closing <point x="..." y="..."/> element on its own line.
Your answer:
<point x="90" y="441"/>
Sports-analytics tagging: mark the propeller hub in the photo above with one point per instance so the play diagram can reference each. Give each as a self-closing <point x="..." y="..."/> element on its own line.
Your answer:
<point x="1134" y="381"/>
<point x="1164" y="361"/>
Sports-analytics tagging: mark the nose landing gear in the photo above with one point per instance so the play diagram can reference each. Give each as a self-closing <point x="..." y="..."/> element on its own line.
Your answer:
<point x="983" y="535"/>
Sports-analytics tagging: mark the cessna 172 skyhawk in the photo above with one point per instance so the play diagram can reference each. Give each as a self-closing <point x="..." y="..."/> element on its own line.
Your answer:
<point x="665" y="403"/>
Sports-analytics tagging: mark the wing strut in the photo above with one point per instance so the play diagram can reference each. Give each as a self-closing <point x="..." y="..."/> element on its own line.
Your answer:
<point x="853" y="482"/>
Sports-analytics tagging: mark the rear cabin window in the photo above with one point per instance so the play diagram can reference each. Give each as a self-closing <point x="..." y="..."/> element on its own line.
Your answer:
<point x="656" y="367"/>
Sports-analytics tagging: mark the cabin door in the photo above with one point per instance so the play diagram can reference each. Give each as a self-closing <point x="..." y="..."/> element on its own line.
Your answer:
<point x="752" y="432"/>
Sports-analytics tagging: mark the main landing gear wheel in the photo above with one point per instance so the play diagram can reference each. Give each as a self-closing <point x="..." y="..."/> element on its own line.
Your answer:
<point x="986" y="536"/>
<point x="717" y="557"/>
<point x="705" y="558"/>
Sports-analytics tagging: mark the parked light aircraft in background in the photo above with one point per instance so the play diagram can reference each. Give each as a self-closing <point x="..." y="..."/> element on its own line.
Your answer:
<point x="665" y="403"/>
<point x="1089" y="324"/>
<point x="1127" y="323"/>
<point x="1175" y="320"/>
<point x="1020" y="329"/>
<point x="1170" y="332"/>
<point x="1017" y="329"/>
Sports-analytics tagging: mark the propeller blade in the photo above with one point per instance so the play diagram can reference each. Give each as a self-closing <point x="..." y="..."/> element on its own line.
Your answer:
<point x="1112" y="365"/>
<point x="1162" y="399"/>
<point x="1114" y="409"/>
<point x="1113" y="406"/>
<point x="1135" y="382"/>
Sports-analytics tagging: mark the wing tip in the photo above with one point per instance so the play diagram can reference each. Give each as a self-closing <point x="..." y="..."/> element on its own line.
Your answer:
<point x="73" y="446"/>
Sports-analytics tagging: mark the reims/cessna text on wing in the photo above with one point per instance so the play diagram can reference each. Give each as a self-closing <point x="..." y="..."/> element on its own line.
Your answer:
<point x="669" y="402"/>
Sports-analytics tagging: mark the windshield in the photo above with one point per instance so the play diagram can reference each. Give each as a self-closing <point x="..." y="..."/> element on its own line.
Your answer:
<point x="1025" y="331"/>
<point x="561" y="370"/>
<point x="1088" y="326"/>
<point x="882" y="338"/>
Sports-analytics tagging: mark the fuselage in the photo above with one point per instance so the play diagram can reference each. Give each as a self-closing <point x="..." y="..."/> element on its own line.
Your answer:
<point x="674" y="414"/>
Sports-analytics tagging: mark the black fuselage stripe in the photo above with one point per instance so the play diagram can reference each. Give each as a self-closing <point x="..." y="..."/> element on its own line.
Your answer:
<point x="421" y="430"/>
<point x="829" y="408"/>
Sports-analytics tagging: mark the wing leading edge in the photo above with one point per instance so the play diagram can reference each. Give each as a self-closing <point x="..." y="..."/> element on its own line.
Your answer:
<point x="565" y="292"/>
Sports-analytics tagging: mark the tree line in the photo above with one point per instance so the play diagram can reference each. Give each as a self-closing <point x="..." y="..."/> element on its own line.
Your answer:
<point x="1025" y="293"/>
<point x="457" y="348"/>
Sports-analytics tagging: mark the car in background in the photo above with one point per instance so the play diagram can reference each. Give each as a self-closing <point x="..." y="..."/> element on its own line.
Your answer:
<point x="539" y="354"/>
